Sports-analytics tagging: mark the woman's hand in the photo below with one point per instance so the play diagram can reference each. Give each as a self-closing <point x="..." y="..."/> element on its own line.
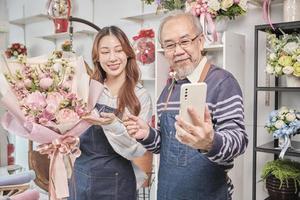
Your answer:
<point x="103" y="119"/>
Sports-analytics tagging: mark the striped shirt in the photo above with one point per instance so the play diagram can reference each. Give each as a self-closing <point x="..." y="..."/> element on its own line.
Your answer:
<point x="225" y="102"/>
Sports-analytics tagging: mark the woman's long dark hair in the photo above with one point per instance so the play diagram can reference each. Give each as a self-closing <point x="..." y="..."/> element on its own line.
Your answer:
<point x="126" y="95"/>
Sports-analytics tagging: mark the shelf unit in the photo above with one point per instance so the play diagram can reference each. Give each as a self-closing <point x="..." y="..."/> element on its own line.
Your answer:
<point x="278" y="88"/>
<point x="29" y="20"/>
<point x="56" y="36"/>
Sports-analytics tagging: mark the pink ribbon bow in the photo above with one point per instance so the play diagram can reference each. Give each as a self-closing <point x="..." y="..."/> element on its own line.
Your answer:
<point x="200" y="9"/>
<point x="68" y="146"/>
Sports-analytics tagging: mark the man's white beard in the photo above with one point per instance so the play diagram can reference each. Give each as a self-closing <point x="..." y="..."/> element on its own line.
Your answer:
<point x="183" y="72"/>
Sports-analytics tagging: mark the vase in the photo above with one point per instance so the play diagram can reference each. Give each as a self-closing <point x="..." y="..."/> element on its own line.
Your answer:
<point x="221" y="26"/>
<point x="291" y="10"/>
<point x="61" y="25"/>
<point x="292" y="81"/>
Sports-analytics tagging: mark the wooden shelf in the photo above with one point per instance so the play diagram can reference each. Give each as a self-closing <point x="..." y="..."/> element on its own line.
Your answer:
<point x="29" y="19"/>
<point x="270" y="148"/>
<point x="214" y="47"/>
<point x="145" y="16"/>
<point x="56" y="36"/>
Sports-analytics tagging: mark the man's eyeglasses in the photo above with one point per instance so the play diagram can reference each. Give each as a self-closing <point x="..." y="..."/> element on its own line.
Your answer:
<point x="183" y="43"/>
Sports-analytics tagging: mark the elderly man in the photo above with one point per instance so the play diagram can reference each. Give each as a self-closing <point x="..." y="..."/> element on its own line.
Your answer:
<point x="194" y="158"/>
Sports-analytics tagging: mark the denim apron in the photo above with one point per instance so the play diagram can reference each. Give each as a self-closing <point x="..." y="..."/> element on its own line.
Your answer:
<point x="100" y="173"/>
<point x="184" y="172"/>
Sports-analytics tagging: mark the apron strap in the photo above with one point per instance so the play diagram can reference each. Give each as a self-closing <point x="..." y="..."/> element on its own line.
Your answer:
<point x="204" y="72"/>
<point x="201" y="79"/>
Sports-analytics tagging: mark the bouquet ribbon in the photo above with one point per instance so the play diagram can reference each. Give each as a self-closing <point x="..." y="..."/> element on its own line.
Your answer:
<point x="266" y="12"/>
<point x="58" y="181"/>
<point x="206" y="17"/>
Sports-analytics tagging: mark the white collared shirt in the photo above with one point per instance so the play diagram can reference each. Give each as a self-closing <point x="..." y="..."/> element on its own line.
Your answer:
<point x="195" y="75"/>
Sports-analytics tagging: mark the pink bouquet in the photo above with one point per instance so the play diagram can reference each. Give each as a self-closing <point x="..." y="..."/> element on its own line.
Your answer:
<point x="45" y="99"/>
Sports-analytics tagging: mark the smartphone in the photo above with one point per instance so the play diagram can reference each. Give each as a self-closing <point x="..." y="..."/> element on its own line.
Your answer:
<point x="192" y="94"/>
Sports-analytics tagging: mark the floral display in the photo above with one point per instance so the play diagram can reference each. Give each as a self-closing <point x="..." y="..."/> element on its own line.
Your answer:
<point x="66" y="46"/>
<point x="144" y="46"/>
<point x="15" y="50"/>
<point x="283" y="54"/>
<point x="215" y="8"/>
<point x="44" y="93"/>
<point x="207" y="10"/>
<point x="46" y="98"/>
<point x="283" y="123"/>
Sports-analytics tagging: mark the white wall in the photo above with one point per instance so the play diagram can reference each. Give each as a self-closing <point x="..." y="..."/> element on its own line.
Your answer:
<point x="103" y="14"/>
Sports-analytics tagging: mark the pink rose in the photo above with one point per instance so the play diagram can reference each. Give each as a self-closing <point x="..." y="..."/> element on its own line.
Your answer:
<point x="36" y="101"/>
<point x="27" y="83"/>
<point x="45" y="83"/>
<point x="67" y="85"/>
<point x="66" y="115"/>
<point x="45" y="116"/>
<point x="80" y="110"/>
<point x="53" y="101"/>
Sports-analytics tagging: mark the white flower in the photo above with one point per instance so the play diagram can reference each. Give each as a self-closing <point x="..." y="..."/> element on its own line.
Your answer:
<point x="290" y="117"/>
<point x="298" y="58"/>
<point x="283" y="110"/>
<point x="214" y="5"/>
<point x="57" y="67"/>
<point x="291" y="47"/>
<point x="278" y="69"/>
<point x="225" y="4"/>
<point x="288" y="70"/>
<point x="243" y="4"/>
<point x="272" y="56"/>
<point x="270" y="69"/>
<point x="279" y="124"/>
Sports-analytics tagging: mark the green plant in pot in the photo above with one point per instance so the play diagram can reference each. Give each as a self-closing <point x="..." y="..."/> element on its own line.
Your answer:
<point x="282" y="179"/>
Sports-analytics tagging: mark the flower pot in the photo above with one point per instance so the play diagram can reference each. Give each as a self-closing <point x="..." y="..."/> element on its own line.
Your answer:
<point x="292" y="81"/>
<point x="61" y="25"/>
<point x="221" y="27"/>
<point x="291" y="10"/>
<point x="288" y="190"/>
<point x="147" y="71"/>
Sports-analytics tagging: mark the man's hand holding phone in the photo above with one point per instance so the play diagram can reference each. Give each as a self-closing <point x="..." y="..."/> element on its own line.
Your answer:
<point x="199" y="134"/>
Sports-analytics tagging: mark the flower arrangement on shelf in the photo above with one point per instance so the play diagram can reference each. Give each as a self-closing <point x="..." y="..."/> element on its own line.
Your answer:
<point x="144" y="46"/>
<point x="283" y="57"/>
<point x="15" y="50"/>
<point x="66" y="46"/>
<point x="46" y="98"/>
<point x="214" y="8"/>
<point x="208" y="11"/>
<point x="283" y="123"/>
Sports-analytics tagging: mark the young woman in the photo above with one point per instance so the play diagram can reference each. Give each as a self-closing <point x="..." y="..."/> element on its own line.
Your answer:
<point x="104" y="170"/>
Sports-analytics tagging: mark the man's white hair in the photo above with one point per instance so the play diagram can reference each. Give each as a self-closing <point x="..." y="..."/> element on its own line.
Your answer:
<point x="179" y="13"/>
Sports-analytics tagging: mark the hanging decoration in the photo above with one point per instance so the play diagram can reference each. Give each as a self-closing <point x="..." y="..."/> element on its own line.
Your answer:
<point x="59" y="11"/>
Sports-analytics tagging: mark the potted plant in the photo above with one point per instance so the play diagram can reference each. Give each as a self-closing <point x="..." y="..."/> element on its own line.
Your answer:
<point x="282" y="178"/>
